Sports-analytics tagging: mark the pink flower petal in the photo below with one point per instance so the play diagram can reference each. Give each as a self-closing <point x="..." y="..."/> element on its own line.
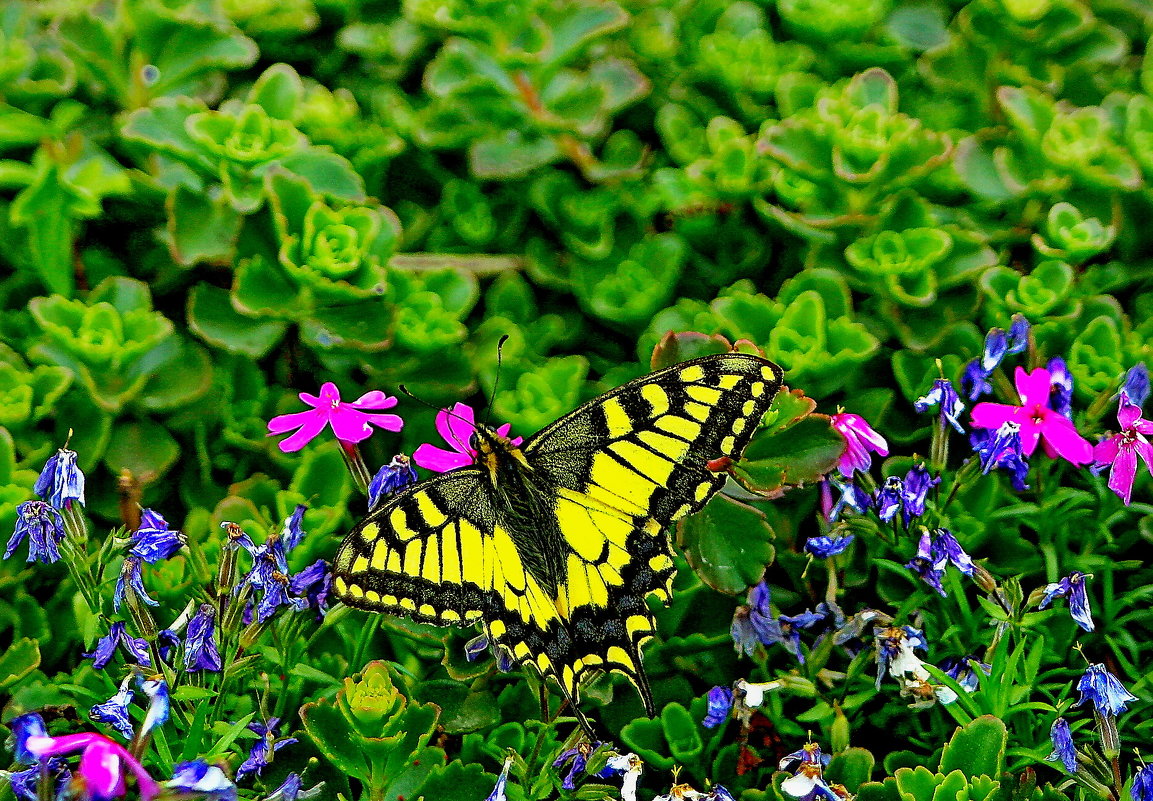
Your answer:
<point x="1146" y="452"/>
<point x="287" y="422"/>
<point x="1105" y="452"/>
<point x="349" y="425"/>
<point x="1033" y="387"/>
<point x="1030" y="436"/>
<point x="303" y="436"/>
<point x="439" y="460"/>
<point x="389" y="422"/>
<point x="1122" y="475"/>
<point x="1061" y="434"/>
<point x="503" y="431"/>
<point x="992" y="415"/>
<point x="456" y="426"/>
<point x="374" y="400"/>
<point x="100" y="767"/>
<point x="1144" y="427"/>
<point x="1128" y="414"/>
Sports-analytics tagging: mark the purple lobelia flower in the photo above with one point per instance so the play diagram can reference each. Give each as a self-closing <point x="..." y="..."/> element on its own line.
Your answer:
<point x="720" y="703"/>
<point x="975" y="381"/>
<point x="61" y="481"/>
<point x="917" y="484"/>
<point x="293" y="531"/>
<point x="498" y="793"/>
<point x="824" y="546"/>
<point x="1135" y="389"/>
<point x="1060" y="387"/>
<point x="200" y="651"/>
<point x="1018" y="334"/>
<point x="790" y="627"/>
<point x="207" y="782"/>
<point x="267" y="744"/>
<point x="577" y="759"/>
<point x="118" y="635"/>
<point x="852" y="497"/>
<point x="1073" y="588"/>
<point x="890" y="498"/>
<point x="42" y="526"/>
<point x="159" y="703"/>
<point x="924" y="564"/>
<point x="1002" y="449"/>
<point x="131" y="580"/>
<point x="289" y="789"/>
<point x="945" y="397"/>
<point x="962" y="669"/>
<point x="313" y="585"/>
<point x="153" y="540"/>
<point x="1104" y="690"/>
<point x="860" y="440"/>
<point x="1142" y="787"/>
<point x="114" y="711"/>
<point x="753" y="622"/>
<point x="391" y="479"/>
<point x="996" y="347"/>
<point x="1063" y="748"/>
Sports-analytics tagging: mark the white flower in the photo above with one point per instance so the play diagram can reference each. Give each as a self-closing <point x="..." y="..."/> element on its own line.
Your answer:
<point x="754" y="693"/>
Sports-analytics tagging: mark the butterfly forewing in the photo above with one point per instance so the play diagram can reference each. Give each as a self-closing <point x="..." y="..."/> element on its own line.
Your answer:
<point x="601" y="484"/>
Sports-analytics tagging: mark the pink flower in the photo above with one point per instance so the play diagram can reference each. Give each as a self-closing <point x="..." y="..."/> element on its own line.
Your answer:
<point x="456" y="426"/>
<point x="348" y="421"/>
<point x="1120" y="451"/>
<point x="102" y="764"/>
<point x="1037" y="420"/>
<point x="860" y="438"/>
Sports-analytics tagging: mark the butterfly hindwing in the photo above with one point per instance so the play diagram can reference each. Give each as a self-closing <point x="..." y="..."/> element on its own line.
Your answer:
<point x="557" y="546"/>
<point x="626" y="465"/>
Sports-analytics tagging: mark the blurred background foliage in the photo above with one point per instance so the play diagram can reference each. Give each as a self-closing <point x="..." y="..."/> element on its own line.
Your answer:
<point x="208" y="206"/>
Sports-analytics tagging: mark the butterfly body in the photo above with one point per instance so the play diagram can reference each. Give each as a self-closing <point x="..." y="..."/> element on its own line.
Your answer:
<point x="556" y="545"/>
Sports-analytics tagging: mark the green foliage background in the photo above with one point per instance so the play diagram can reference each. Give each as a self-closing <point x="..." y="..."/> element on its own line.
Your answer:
<point x="206" y="207"/>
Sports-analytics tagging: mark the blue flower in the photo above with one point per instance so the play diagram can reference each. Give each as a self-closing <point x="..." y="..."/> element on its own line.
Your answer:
<point x="1107" y="693"/>
<point x="947" y="549"/>
<point x="790" y="631"/>
<point x="890" y="498"/>
<point x="996" y="346"/>
<point x="924" y="564"/>
<point x="390" y="479"/>
<point x="935" y="551"/>
<point x="275" y="596"/>
<point x="200" y="652"/>
<point x="44" y="528"/>
<point x="944" y="396"/>
<point x="209" y="781"/>
<point x="497" y="793"/>
<point x="810" y="753"/>
<point x="975" y="381"/>
<point x="918" y="482"/>
<point x="961" y="670"/>
<point x="289" y="789"/>
<point x="753" y="622"/>
<point x="895" y="651"/>
<point x="481" y="643"/>
<point x="293" y="532"/>
<point x="823" y="546"/>
<point x="168" y="641"/>
<point x="1135" y="390"/>
<point x="25" y="784"/>
<point x="114" y="711"/>
<point x="1142" y="787"/>
<point x="852" y="497"/>
<point x="260" y="755"/>
<point x="135" y="647"/>
<point x="1073" y="588"/>
<point x="159" y="706"/>
<point x="579" y="757"/>
<point x="1063" y="745"/>
<point x="130" y="579"/>
<point x="30" y="724"/>
<point x="1002" y="449"/>
<point x="1060" y="387"/>
<point x="153" y="541"/>
<point x="720" y="704"/>
<point x="1018" y="334"/>
<point x="61" y="481"/>
<point x="313" y="585"/>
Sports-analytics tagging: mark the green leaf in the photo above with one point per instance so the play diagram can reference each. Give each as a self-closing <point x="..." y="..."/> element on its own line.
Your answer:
<point x="977" y="749"/>
<point x="852" y="767"/>
<point x="220" y="748"/>
<point x="457" y="780"/>
<point x="326" y="172"/>
<point x="143" y="447"/>
<point x="201" y="228"/>
<point x="212" y="318"/>
<point x="510" y="155"/>
<point x="728" y="544"/>
<point x="19" y="659"/>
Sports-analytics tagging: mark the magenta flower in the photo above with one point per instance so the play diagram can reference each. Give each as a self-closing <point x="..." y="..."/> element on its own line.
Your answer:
<point x="456" y="426"/>
<point x="1120" y="451"/>
<point x="102" y="764"/>
<point x="350" y="421"/>
<point x="860" y="439"/>
<point x="1038" y="422"/>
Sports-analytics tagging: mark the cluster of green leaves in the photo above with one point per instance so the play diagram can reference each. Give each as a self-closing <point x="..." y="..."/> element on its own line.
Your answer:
<point x="206" y="207"/>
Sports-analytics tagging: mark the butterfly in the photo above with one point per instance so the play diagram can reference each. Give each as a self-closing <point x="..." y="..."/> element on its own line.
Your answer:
<point x="555" y="545"/>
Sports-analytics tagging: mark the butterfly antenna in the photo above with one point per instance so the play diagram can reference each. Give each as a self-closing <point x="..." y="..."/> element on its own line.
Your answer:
<point x="496" y="381"/>
<point x="438" y="409"/>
